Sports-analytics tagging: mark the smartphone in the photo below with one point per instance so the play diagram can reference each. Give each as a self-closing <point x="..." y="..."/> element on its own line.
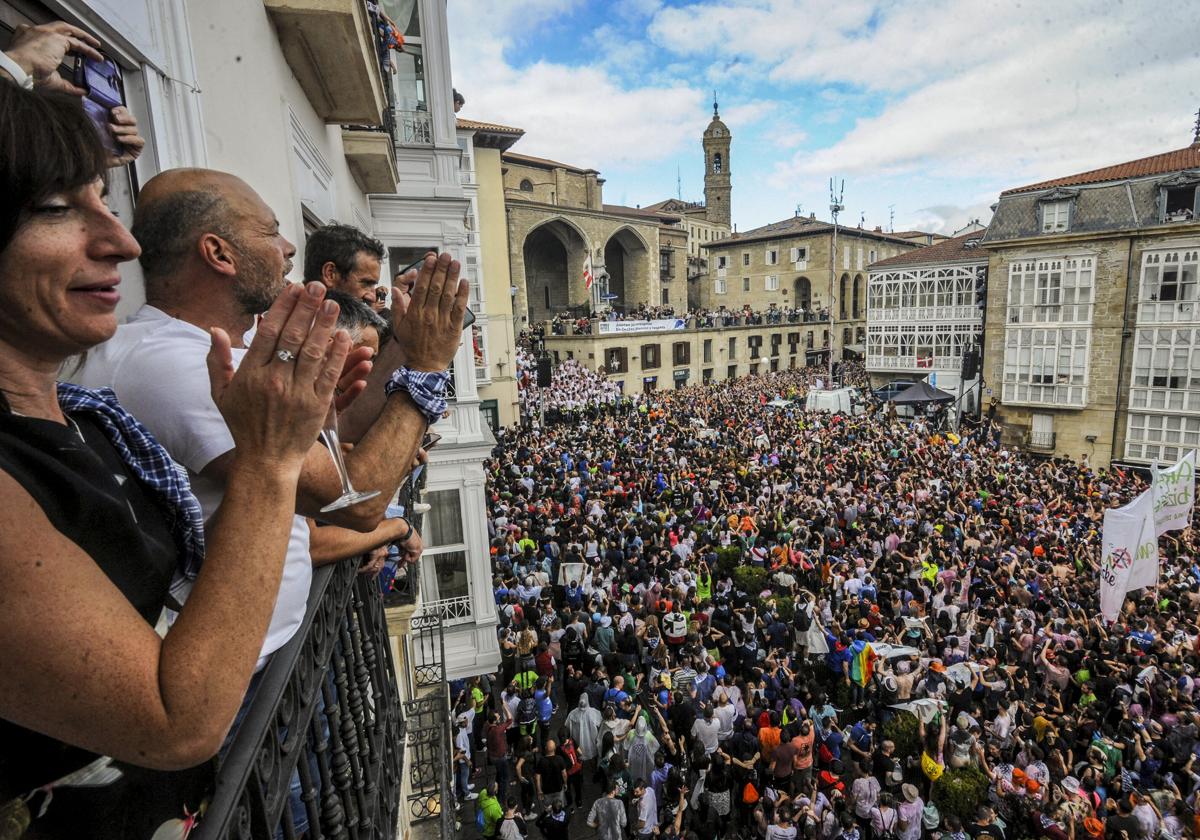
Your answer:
<point x="430" y="440"/>
<point x="103" y="90"/>
<point x="468" y="315"/>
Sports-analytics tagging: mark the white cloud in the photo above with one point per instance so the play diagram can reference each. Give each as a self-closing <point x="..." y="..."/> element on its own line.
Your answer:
<point x="1015" y="90"/>
<point x="927" y="106"/>
<point x="582" y="113"/>
<point x="947" y="218"/>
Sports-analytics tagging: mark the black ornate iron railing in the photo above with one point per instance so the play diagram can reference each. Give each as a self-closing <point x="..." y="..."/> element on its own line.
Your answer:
<point x="428" y="732"/>
<point x="322" y="740"/>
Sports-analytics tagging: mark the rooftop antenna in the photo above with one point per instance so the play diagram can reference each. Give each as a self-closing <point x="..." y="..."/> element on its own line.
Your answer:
<point x="835" y="207"/>
<point x="862" y="218"/>
<point x="891" y="218"/>
<point x="678" y="183"/>
<point x="1196" y="130"/>
<point x="799" y="209"/>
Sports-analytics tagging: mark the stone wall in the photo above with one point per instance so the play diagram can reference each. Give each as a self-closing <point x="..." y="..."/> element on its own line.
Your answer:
<point x="593" y="351"/>
<point x="580" y="231"/>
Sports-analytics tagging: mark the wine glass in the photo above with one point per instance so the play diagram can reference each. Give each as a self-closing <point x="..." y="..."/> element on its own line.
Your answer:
<point x="350" y="496"/>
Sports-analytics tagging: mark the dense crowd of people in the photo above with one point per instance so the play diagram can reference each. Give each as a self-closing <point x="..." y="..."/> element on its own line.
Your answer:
<point x="566" y="323"/>
<point x="724" y="619"/>
<point x="573" y="388"/>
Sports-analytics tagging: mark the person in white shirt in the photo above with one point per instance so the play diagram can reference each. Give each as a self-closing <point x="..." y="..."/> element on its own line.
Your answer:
<point x="213" y="256"/>
<point x="647" y="805"/>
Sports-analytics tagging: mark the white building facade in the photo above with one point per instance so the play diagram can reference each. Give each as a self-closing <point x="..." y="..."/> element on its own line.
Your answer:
<point x="1164" y="393"/>
<point x="925" y="311"/>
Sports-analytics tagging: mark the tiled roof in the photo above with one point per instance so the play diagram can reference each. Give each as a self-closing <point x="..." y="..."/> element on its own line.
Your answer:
<point x="685" y="205"/>
<point x="910" y="234"/>
<point x="800" y="226"/>
<point x="641" y="212"/>
<point x="472" y="125"/>
<point x="947" y="251"/>
<point x="545" y="163"/>
<point x="1188" y="158"/>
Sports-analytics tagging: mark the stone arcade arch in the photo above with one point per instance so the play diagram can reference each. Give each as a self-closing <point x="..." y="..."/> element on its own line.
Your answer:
<point x="625" y="260"/>
<point x="803" y="298"/>
<point x="553" y="256"/>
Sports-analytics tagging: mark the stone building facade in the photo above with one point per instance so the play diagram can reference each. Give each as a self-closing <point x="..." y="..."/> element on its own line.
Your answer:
<point x="556" y="219"/>
<point x="791" y="264"/>
<point x="493" y="335"/>
<point x="665" y="359"/>
<point x="1092" y="335"/>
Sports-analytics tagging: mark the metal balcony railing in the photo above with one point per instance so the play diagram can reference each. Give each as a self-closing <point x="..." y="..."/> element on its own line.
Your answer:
<point x="414" y="128"/>
<point x="1041" y="440"/>
<point x="451" y="610"/>
<point x="326" y="710"/>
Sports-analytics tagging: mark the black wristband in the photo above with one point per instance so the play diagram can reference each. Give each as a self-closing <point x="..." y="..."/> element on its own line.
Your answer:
<point x="408" y="534"/>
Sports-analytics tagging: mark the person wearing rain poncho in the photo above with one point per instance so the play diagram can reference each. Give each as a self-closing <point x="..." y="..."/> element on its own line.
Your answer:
<point x="640" y="748"/>
<point x="583" y="723"/>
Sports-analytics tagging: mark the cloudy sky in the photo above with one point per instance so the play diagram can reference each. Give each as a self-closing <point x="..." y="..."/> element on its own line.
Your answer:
<point x="930" y="106"/>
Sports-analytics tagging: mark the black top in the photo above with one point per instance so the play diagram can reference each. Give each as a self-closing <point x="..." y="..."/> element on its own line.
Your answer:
<point x="91" y="497"/>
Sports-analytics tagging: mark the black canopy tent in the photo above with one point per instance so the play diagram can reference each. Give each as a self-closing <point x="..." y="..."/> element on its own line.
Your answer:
<point x="922" y="392"/>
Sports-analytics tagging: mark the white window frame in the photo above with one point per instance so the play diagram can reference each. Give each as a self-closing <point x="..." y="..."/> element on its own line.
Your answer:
<point x="1056" y="215"/>
<point x="798" y="254"/>
<point x="483" y="371"/>
<point x="722" y="261"/>
<point x="1051" y="290"/>
<point x="771" y="256"/>
<point x="1046" y="365"/>
<point x="1182" y="265"/>
<point x="1166" y="437"/>
<point x="434" y="550"/>
<point x="745" y="284"/>
<point x="721" y="286"/>
<point x="772" y="282"/>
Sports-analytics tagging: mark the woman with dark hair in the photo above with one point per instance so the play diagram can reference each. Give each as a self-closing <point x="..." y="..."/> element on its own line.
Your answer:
<point x="94" y="704"/>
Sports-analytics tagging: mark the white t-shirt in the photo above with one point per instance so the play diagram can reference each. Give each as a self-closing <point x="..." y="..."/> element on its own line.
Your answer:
<point x="157" y="366"/>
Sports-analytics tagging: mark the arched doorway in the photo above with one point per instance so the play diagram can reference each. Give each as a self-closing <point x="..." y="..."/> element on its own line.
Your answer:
<point x="803" y="288"/>
<point x="842" y="289"/>
<point x="625" y="260"/>
<point x="856" y="307"/>
<point x="553" y="253"/>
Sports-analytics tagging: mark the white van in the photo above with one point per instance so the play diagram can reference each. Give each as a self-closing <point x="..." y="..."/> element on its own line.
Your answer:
<point x="839" y="401"/>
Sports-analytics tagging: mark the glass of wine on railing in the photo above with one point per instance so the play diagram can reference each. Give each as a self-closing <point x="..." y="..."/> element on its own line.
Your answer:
<point x="350" y="496"/>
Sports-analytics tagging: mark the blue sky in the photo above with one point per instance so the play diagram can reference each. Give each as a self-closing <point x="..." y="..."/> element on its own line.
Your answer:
<point x="930" y="106"/>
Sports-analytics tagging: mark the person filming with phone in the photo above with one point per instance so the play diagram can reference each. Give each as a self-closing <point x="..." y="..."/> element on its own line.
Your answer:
<point x="32" y="62"/>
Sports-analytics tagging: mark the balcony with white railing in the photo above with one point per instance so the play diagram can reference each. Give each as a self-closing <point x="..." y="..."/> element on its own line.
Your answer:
<point x="909" y="314"/>
<point x="414" y="128"/>
<point x="452" y="611"/>
<point x="466" y="176"/>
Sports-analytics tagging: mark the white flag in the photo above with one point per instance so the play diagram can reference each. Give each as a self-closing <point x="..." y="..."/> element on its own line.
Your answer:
<point x="1174" y="494"/>
<point x="1129" y="540"/>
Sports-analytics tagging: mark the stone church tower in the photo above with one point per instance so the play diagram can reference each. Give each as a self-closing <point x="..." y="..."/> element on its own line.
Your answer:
<point x="716" y="170"/>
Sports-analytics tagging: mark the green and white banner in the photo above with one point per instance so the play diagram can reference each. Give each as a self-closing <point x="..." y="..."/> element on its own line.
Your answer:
<point x="1174" y="494"/>
<point x="1130" y="553"/>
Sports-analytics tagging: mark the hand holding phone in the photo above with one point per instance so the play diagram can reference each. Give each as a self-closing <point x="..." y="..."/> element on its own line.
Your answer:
<point x="39" y="50"/>
<point x="103" y="91"/>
